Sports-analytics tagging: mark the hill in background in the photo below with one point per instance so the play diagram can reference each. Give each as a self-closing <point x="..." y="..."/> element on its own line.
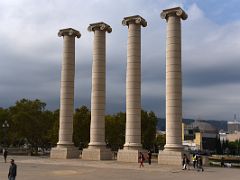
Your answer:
<point x="218" y="124"/>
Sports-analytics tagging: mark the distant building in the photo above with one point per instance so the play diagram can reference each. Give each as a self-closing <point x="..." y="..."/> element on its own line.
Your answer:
<point x="199" y="135"/>
<point x="231" y="137"/>
<point x="233" y="126"/>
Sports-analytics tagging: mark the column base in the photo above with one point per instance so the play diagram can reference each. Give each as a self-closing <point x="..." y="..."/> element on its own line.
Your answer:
<point x="125" y="155"/>
<point x="68" y="152"/>
<point x="170" y="157"/>
<point x="97" y="154"/>
<point x="132" y="146"/>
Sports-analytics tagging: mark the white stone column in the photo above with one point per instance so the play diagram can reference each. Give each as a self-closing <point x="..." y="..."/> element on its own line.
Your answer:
<point x="65" y="147"/>
<point x="97" y="147"/>
<point x="133" y="90"/>
<point x="173" y="86"/>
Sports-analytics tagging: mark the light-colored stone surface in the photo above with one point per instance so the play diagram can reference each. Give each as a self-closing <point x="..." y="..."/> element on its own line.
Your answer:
<point x="133" y="82"/>
<point x="64" y="152"/>
<point x="97" y="146"/>
<point x="37" y="168"/>
<point x="170" y="158"/>
<point x="173" y="17"/>
<point x="97" y="154"/>
<point x="133" y="90"/>
<point x="65" y="145"/>
<point x="126" y="155"/>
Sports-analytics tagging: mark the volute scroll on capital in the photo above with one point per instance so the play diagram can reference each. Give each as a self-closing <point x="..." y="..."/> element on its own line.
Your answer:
<point x="69" y="32"/>
<point x="177" y="11"/>
<point x="134" y="19"/>
<point x="100" y="26"/>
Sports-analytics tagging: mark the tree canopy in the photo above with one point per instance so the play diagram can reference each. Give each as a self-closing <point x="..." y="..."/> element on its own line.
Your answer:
<point x="31" y="124"/>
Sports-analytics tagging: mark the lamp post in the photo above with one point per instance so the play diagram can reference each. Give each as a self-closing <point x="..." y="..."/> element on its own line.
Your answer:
<point x="238" y="142"/>
<point x="5" y="126"/>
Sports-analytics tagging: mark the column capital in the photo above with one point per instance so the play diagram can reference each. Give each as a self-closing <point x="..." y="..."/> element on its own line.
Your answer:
<point x="134" y="19"/>
<point x="69" y="32"/>
<point x="100" y="26"/>
<point x="177" y="11"/>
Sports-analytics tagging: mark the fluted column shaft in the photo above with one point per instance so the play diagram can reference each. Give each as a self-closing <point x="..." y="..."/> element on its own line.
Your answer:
<point x="173" y="79"/>
<point x="67" y="87"/>
<point x="97" y="131"/>
<point x="133" y="82"/>
<point x="133" y="87"/>
<point x="173" y="84"/>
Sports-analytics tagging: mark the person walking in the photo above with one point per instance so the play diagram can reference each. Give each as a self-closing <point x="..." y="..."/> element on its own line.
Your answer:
<point x="12" y="171"/>
<point x="194" y="159"/>
<point x="141" y="159"/>
<point x="184" y="162"/>
<point x="200" y="163"/>
<point x="5" y="153"/>
<point x="187" y="163"/>
<point x="149" y="157"/>
<point x="222" y="162"/>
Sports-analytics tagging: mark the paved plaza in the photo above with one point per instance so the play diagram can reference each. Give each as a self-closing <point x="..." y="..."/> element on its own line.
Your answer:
<point x="43" y="168"/>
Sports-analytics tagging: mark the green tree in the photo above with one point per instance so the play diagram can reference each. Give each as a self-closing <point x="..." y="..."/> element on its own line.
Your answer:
<point x="81" y="126"/>
<point x="53" y="131"/>
<point x="160" y="141"/>
<point x="116" y="124"/>
<point x="148" y="129"/>
<point x="115" y="130"/>
<point x="218" y="146"/>
<point x="30" y="121"/>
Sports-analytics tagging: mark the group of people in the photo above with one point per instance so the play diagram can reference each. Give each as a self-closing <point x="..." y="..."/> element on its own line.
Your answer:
<point x="196" y="159"/>
<point x="12" y="173"/>
<point x="141" y="158"/>
<point x="197" y="162"/>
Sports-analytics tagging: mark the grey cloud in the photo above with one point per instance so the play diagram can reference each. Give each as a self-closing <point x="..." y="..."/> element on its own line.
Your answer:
<point x="212" y="76"/>
<point x="31" y="54"/>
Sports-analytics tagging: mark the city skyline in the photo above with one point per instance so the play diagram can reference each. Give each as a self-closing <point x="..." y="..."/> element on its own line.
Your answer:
<point x="31" y="53"/>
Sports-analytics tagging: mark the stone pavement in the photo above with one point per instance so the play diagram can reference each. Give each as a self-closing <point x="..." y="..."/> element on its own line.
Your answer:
<point x="43" y="168"/>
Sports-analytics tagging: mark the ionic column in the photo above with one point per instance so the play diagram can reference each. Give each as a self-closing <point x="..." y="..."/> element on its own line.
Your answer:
<point x="97" y="146"/>
<point x="98" y="100"/>
<point x="133" y="82"/>
<point x="133" y="144"/>
<point x="65" y="142"/>
<point x="173" y="80"/>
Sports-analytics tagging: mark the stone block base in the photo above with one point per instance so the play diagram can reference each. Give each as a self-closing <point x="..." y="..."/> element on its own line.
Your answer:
<point x="170" y="158"/>
<point x="205" y="160"/>
<point x="64" y="153"/>
<point x="97" y="154"/>
<point x="130" y="155"/>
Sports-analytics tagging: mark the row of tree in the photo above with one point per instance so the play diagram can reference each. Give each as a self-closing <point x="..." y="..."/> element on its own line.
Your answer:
<point x="226" y="147"/>
<point x="30" y="124"/>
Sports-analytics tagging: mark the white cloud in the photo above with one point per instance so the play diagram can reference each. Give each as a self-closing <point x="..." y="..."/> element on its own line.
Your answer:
<point x="30" y="52"/>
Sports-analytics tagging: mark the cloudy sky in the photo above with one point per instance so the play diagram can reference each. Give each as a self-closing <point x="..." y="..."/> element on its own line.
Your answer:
<point x="31" y="52"/>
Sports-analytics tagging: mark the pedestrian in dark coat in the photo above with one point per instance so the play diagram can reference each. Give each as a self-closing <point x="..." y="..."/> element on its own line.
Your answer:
<point x="149" y="157"/>
<point x="187" y="163"/>
<point x="5" y="153"/>
<point x="194" y="159"/>
<point x="141" y="159"/>
<point x="12" y="170"/>
<point x="184" y="162"/>
<point x="200" y="163"/>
